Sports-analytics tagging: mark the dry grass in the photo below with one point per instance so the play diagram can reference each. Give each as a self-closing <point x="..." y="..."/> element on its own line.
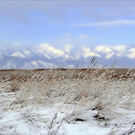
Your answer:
<point x="42" y="86"/>
<point x="102" y="90"/>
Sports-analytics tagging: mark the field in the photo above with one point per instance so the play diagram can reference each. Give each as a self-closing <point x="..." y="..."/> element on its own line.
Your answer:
<point x="67" y="102"/>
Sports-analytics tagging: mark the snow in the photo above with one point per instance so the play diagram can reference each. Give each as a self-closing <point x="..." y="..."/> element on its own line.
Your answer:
<point x="35" y="64"/>
<point x="27" y="52"/>
<point x="37" y="121"/>
<point x="9" y="64"/>
<point x="46" y="64"/>
<point x="18" y="54"/>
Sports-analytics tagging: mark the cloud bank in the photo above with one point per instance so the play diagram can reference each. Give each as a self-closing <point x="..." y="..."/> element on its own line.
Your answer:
<point x="85" y="52"/>
<point x="49" y="51"/>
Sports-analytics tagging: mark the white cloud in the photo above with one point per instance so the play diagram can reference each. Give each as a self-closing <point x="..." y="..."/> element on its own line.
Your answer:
<point x="120" y="48"/>
<point x="47" y="50"/>
<point x="86" y="52"/>
<point x="108" y="23"/>
<point x="50" y="52"/>
<point x="103" y="49"/>
<point x="83" y="36"/>
<point x="132" y="53"/>
<point x="109" y="55"/>
<point x="67" y="48"/>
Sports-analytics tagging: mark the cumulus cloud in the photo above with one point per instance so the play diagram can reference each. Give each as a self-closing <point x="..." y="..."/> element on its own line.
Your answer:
<point x="103" y="49"/>
<point x="132" y="53"/>
<point x="120" y="50"/>
<point x="86" y="52"/>
<point x="67" y="48"/>
<point x="49" y="51"/>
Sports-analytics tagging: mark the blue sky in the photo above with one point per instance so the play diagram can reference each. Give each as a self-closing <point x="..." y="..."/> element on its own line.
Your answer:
<point x="79" y="23"/>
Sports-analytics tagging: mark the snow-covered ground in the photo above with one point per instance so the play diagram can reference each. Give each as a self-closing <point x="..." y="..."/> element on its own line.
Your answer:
<point x="63" y="103"/>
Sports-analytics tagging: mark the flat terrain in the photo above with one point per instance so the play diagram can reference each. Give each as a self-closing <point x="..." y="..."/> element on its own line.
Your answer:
<point x="67" y="102"/>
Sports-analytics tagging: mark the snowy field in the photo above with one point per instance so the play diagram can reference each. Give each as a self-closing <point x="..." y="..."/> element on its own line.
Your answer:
<point x="67" y="102"/>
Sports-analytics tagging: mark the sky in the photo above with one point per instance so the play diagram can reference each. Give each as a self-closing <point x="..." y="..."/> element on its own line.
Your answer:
<point x="72" y="24"/>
